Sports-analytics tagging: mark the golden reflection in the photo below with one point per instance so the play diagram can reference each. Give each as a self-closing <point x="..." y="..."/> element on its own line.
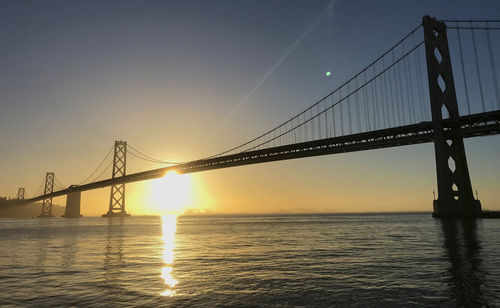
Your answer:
<point x="169" y="226"/>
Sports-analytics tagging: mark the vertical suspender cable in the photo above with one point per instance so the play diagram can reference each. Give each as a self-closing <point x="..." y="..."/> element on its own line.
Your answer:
<point x="401" y="103"/>
<point x="386" y="99"/>
<point x="493" y="66"/>
<point x="365" y="101"/>
<point x="356" y="97"/>
<point x="394" y="73"/>
<point x="375" y="97"/>
<point x="421" y="87"/>
<point x="305" y="131"/>
<point x="311" y="124"/>
<point x="319" y="121"/>
<point x="412" y="96"/>
<point x="294" y="133"/>
<point x="349" y="107"/>
<point x="371" y="105"/>
<point x="384" y="96"/>
<point x="299" y="130"/>
<point x="477" y="68"/>
<point x="463" y="70"/>
<point x="381" y="96"/>
<point x="326" y="118"/>
<point x="419" y="98"/>
<point x="334" y="134"/>
<point x="341" y="113"/>
<point x="404" y="62"/>
<point x="419" y="91"/>
<point x="391" y="73"/>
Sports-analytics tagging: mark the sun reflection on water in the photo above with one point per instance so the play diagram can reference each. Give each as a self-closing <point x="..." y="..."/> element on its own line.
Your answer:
<point x="169" y="225"/>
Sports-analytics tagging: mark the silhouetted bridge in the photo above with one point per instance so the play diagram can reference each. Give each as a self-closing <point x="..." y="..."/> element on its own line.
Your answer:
<point x="384" y="105"/>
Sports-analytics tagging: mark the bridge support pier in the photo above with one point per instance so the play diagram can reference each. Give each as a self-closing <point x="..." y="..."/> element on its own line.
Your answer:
<point x="117" y="196"/>
<point x="454" y="208"/>
<point x="73" y="205"/>
<point x="455" y="196"/>
<point x="47" y="203"/>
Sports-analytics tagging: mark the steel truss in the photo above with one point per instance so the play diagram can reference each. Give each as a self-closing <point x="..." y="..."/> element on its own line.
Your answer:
<point x="117" y="195"/>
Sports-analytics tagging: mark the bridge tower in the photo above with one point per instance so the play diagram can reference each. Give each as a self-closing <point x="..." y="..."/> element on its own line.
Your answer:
<point x="20" y="193"/>
<point x="455" y="195"/>
<point x="117" y="196"/>
<point x="47" y="203"/>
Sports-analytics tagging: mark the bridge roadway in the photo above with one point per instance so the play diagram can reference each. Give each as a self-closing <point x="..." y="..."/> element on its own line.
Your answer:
<point x="480" y="124"/>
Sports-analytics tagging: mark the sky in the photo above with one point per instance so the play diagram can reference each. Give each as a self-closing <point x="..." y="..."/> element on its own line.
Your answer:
<point x="180" y="80"/>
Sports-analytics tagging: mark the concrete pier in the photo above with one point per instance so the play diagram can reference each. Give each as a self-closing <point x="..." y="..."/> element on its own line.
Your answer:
<point x="116" y="214"/>
<point x="457" y="208"/>
<point x="73" y="205"/>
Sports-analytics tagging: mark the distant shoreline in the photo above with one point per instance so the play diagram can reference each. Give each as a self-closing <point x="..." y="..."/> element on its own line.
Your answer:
<point x="35" y="213"/>
<point x="12" y="209"/>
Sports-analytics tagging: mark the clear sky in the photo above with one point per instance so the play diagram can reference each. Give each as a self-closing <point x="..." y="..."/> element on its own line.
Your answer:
<point x="181" y="80"/>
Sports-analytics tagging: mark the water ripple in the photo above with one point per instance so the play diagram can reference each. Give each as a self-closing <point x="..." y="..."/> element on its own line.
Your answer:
<point x="388" y="260"/>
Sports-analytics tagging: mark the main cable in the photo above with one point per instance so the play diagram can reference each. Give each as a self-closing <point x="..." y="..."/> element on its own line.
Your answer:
<point x="342" y="99"/>
<point x="493" y="66"/>
<point x="469" y="20"/>
<point x="100" y="174"/>
<point x="475" y="28"/>
<point x="39" y="190"/>
<point x="98" y="166"/>
<point x="319" y="101"/>
<point x="58" y="182"/>
<point x="478" y="70"/>
<point x="149" y="158"/>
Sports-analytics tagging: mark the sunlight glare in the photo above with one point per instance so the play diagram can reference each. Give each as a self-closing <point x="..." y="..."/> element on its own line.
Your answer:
<point x="171" y="194"/>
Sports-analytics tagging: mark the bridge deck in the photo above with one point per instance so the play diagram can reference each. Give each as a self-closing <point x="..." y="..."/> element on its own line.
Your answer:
<point x="480" y="124"/>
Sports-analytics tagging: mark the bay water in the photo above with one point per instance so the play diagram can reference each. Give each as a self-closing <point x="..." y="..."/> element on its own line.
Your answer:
<point x="327" y="260"/>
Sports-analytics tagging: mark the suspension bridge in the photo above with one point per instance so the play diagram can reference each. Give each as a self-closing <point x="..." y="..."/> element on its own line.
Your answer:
<point x="385" y="105"/>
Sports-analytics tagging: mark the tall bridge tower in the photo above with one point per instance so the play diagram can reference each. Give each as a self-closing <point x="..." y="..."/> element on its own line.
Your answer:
<point x="117" y="196"/>
<point x="47" y="203"/>
<point x="455" y="195"/>
<point x="20" y="193"/>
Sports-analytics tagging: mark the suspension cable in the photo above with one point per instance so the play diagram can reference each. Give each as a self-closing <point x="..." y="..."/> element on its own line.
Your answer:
<point x="493" y="66"/>
<point x="59" y="183"/>
<point x="149" y="158"/>
<point x="98" y="166"/>
<point x="319" y="101"/>
<point x="59" y="187"/>
<point x="478" y="69"/>
<point x="39" y="190"/>
<point x="342" y="99"/>
<point x="145" y="159"/>
<point x="104" y="170"/>
<point x="469" y="20"/>
<point x="475" y="28"/>
<point x="463" y="71"/>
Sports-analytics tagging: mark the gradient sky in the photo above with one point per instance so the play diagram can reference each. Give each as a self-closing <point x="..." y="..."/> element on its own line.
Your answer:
<point x="181" y="80"/>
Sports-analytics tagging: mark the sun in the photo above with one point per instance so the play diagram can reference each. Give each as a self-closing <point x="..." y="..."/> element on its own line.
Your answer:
<point x="171" y="194"/>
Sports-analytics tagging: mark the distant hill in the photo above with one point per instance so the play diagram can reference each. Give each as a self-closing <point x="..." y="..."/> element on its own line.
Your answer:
<point x="12" y="209"/>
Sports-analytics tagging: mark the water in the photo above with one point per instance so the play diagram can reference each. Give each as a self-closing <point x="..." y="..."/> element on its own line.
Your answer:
<point x="277" y="261"/>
